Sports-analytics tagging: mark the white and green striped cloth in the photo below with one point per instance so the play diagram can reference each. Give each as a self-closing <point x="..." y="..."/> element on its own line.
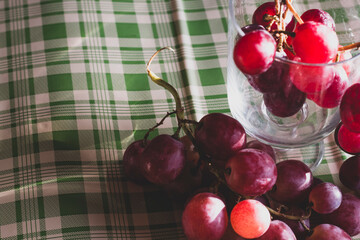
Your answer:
<point x="74" y="94"/>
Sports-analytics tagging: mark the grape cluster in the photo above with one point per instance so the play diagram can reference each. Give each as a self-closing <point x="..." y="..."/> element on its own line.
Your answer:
<point x="233" y="188"/>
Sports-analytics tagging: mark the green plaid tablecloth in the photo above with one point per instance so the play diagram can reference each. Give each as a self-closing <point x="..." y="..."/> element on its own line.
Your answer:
<point x="74" y="94"/>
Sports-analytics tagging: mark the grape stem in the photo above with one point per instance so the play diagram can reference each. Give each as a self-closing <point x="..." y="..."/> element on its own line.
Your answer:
<point x="293" y="11"/>
<point x="290" y="217"/>
<point x="349" y="47"/>
<point x="179" y="109"/>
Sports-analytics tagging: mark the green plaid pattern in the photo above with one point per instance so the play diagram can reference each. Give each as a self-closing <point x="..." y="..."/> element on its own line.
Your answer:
<point x="74" y="94"/>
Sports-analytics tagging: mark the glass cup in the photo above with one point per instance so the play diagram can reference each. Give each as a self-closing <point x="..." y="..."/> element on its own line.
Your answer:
<point x="285" y="114"/>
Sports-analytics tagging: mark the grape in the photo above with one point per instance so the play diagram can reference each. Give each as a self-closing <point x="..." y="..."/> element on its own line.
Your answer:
<point x="331" y="97"/>
<point x="254" y="52"/>
<point x="347" y="141"/>
<point x="205" y="217"/>
<point x="278" y="230"/>
<point x="315" y="43"/>
<point x="163" y="159"/>
<point x="132" y="162"/>
<point x="250" y="218"/>
<point x="262" y="146"/>
<point x="347" y="216"/>
<point x="320" y="16"/>
<point x="252" y="27"/>
<point x="285" y="102"/>
<point x="350" y="108"/>
<point x="311" y="79"/>
<point x="327" y="232"/>
<point x="325" y="197"/>
<point x="230" y="234"/>
<point x="268" y="9"/>
<point x="220" y="136"/>
<point x="250" y="172"/>
<point x="349" y="173"/>
<point x="270" y="80"/>
<point x="293" y="182"/>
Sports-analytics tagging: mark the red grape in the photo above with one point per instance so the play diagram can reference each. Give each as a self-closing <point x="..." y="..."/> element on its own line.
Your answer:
<point x="278" y="230"/>
<point x="163" y="159"/>
<point x="347" y="141"/>
<point x="315" y="42"/>
<point x="293" y="182"/>
<point x="254" y="52"/>
<point x="262" y="146"/>
<point x="320" y="16"/>
<point x="220" y="136"/>
<point x="331" y="97"/>
<point x="325" y="197"/>
<point x="311" y="79"/>
<point x="268" y="9"/>
<point x="349" y="173"/>
<point x="327" y="232"/>
<point x="205" y="217"/>
<point x="132" y="162"/>
<point x="347" y="216"/>
<point x="252" y="27"/>
<point x="250" y="218"/>
<point x="250" y="172"/>
<point x="350" y="108"/>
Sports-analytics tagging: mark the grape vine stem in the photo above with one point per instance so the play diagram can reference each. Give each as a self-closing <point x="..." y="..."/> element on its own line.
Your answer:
<point x="179" y="108"/>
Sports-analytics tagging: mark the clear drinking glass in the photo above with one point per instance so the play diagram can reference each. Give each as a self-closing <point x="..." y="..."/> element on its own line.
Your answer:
<point x="311" y="123"/>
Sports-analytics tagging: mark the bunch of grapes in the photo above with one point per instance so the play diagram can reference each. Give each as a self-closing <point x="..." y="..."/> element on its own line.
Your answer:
<point x="234" y="188"/>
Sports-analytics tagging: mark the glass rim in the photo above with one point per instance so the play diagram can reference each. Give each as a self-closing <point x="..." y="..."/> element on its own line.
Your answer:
<point x="286" y="60"/>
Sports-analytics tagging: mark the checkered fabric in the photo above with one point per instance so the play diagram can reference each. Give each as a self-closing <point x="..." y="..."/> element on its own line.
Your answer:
<point x="74" y="94"/>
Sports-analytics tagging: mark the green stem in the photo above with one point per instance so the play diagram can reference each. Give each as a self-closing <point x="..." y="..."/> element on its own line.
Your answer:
<point x="179" y="109"/>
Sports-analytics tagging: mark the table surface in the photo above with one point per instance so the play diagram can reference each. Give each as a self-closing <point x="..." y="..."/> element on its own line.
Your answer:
<point x="74" y="94"/>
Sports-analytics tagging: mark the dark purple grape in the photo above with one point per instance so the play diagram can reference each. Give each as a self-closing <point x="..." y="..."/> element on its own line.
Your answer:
<point x="133" y="167"/>
<point x="347" y="216"/>
<point x="262" y="146"/>
<point x="271" y="80"/>
<point x="286" y="102"/>
<point x="163" y="159"/>
<point x="320" y="16"/>
<point x="220" y="136"/>
<point x="327" y="232"/>
<point x="293" y="182"/>
<point x="205" y="217"/>
<point x="349" y="173"/>
<point x="252" y="27"/>
<point x="278" y="230"/>
<point x="325" y="198"/>
<point x="250" y="172"/>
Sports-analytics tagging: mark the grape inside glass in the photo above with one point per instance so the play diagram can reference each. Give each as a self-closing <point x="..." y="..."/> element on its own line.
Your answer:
<point x="283" y="107"/>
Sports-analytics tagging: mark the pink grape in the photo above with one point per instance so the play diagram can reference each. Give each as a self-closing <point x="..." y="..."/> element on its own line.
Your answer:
<point x="205" y="217"/>
<point x="325" y="197"/>
<point x="278" y="230"/>
<point x="315" y="42"/>
<point x="347" y="140"/>
<point x="220" y="136"/>
<point x="350" y="108"/>
<point x="327" y="232"/>
<point x="294" y="181"/>
<point x="250" y="172"/>
<point x="311" y="79"/>
<point x="250" y="218"/>
<point x="163" y="159"/>
<point x="347" y="216"/>
<point x="320" y="16"/>
<point x="254" y="52"/>
<point x="132" y="162"/>
<point x="331" y="96"/>
<point x="349" y="173"/>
